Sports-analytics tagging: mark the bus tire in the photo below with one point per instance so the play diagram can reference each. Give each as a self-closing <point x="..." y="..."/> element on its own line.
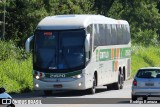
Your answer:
<point x="93" y="89"/>
<point x="48" y="92"/>
<point x="117" y="85"/>
<point x="121" y="81"/>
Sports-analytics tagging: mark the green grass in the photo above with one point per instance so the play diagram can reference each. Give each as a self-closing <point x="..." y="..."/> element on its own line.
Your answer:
<point x="144" y="57"/>
<point x="15" y="68"/>
<point x="16" y="76"/>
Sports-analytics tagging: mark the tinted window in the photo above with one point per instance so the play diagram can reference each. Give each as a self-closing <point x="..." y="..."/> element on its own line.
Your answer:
<point x="59" y="49"/>
<point x="45" y="49"/>
<point x="148" y="73"/>
<point x="111" y="34"/>
<point x="72" y="49"/>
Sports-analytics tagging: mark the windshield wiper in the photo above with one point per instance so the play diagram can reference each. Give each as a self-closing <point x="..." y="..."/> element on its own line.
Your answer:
<point x="65" y="60"/>
<point x="51" y="61"/>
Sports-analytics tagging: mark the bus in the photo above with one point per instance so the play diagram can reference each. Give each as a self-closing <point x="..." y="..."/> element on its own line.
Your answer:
<point x="80" y="52"/>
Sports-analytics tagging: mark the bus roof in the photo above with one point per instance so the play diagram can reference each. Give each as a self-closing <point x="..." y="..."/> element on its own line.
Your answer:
<point x="65" y="22"/>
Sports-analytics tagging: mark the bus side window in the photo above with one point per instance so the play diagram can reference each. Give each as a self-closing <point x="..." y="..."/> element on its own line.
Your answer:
<point x="119" y="35"/>
<point x="108" y="34"/>
<point x="114" y="34"/>
<point x="128" y="34"/>
<point x="96" y="36"/>
<point x="89" y="31"/>
<point x="123" y="32"/>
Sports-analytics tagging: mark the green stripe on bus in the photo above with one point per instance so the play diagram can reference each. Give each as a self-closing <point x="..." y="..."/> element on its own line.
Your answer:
<point x="70" y="74"/>
<point x="105" y="54"/>
<point x="97" y="55"/>
<point x="125" y="52"/>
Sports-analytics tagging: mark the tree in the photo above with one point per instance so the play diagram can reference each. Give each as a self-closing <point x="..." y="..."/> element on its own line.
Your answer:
<point x="23" y="15"/>
<point x="142" y="16"/>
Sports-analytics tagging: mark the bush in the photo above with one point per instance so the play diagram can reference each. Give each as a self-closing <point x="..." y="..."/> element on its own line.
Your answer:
<point x="15" y="68"/>
<point x="8" y="50"/>
<point x="16" y="76"/>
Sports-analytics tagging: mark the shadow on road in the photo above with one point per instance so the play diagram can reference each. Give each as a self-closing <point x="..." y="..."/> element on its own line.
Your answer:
<point x="70" y="97"/>
<point x="73" y="93"/>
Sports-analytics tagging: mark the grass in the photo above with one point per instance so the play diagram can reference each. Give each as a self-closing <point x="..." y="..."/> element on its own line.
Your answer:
<point x="144" y="57"/>
<point x="16" y="76"/>
<point x="15" y="68"/>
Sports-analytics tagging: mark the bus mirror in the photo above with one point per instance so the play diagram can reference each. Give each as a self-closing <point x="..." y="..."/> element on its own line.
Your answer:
<point x="87" y="43"/>
<point x="27" y="44"/>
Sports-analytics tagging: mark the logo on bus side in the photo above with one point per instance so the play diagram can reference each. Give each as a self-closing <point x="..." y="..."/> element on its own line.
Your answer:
<point x="104" y="54"/>
<point x="57" y="75"/>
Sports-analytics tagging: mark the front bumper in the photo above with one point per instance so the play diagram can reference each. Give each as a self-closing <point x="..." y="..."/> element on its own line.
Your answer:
<point x="76" y="84"/>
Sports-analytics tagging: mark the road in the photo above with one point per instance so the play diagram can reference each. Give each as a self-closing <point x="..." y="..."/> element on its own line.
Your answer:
<point x="102" y="96"/>
<point x="101" y="92"/>
<point x="81" y="99"/>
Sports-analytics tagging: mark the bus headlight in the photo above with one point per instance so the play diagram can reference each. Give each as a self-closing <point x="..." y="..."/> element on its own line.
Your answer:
<point x="77" y="76"/>
<point x="38" y="75"/>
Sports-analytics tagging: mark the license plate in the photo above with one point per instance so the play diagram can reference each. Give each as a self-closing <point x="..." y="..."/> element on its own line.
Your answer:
<point x="149" y="84"/>
<point x="57" y="86"/>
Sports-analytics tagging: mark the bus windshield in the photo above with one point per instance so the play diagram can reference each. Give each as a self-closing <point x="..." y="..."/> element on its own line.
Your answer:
<point x="59" y="49"/>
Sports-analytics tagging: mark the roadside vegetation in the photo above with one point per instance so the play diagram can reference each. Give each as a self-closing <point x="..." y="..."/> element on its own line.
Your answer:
<point x="22" y="16"/>
<point x="144" y="57"/>
<point x="15" y="68"/>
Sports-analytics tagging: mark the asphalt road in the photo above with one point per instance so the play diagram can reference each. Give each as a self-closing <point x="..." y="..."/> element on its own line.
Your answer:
<point x="101" y="92"/>
<point x="102" y="98"/>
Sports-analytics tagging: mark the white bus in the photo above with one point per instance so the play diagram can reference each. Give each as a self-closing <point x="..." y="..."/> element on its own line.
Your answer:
<point x="80" y="52"/>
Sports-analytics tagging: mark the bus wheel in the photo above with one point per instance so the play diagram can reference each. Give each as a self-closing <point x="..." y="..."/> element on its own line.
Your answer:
<point x="93" y="89"/>
<point x="48" y="92"/>
<point x="117" y="85"/>
<point x="121" y="81"/>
